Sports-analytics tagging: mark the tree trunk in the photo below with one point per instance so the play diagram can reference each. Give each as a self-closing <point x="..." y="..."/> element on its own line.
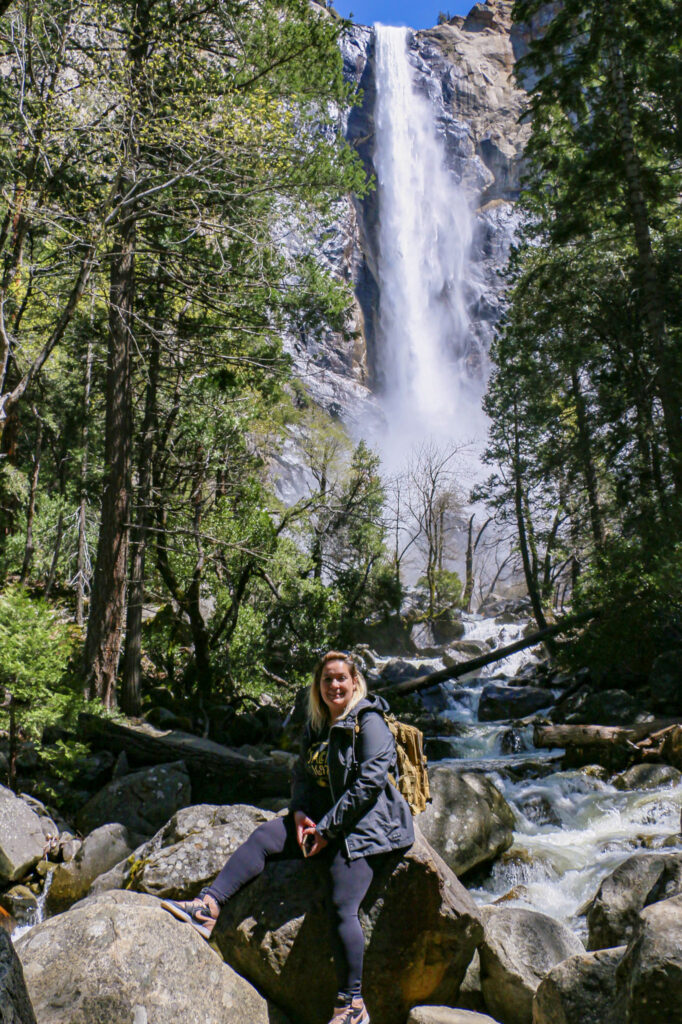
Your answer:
<point x="469" y="568"/>
<point x="107" y="603"/>
<point x="81" y="565"/>
<point x="519" y="502"/>
<point x="49" y="582"/>
<point x="131" y="692"/>
<point x="587" y="463"/>
<point x="13" y="746"/>
<point x="29" y="547"/>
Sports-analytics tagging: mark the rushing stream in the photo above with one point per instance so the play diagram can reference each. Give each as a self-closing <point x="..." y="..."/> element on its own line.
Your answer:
<point x="573" y="828"/>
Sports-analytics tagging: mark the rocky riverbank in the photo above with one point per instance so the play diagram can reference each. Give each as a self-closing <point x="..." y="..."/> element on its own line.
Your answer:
<point x="535" y="893"/>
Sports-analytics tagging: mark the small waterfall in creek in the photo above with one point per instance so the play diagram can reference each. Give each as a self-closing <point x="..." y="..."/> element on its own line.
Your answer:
<point x="432" y="370"/>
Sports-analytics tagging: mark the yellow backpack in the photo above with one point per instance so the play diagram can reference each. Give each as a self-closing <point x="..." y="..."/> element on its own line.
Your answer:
<point x="413" y="777"/>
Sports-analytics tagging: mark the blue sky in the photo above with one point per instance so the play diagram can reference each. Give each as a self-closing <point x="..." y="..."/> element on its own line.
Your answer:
<point x="400" y="12"/>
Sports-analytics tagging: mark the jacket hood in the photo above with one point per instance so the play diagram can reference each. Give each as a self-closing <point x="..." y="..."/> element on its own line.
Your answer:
<point x="372" y="702"/>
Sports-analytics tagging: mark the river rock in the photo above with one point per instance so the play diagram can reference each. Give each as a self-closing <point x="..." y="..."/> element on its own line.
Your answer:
<point x="579" y="989"/>
<point x="519" y="948"/>
<point x="120" y="958"/>
<point x="421" y="929"/>
<point x="468" y="821"/>
<point x="500" y="702"/>
<point x="50" y="828"/>
<point x="20" y="902"/>
<point x="100" y="851"/>
<point x="15" y="1005"/>
<point x="21" y="837"/>
<point x="613" y="914"/>
<point x="649" y="977"/>
<point x="470" y="996"/>
<point x="446" y="1015"/>
<point x="398" y="671"/>
<point x="647" y="776"/>
<point x="587" y="707"/>
<point x="142" y="801"/>
<point x="187" y="853"/>
<point x="469" y="648"/>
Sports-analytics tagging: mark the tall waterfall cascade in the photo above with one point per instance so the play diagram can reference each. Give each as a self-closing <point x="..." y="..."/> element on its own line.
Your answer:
<point x="431" y="368"/>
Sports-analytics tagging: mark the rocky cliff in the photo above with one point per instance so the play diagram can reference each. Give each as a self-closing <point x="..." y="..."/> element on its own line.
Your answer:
<point x="465" y="67"/>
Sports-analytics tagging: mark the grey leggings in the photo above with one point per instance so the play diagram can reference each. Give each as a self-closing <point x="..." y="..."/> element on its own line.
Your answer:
<point x="350" y="880"/>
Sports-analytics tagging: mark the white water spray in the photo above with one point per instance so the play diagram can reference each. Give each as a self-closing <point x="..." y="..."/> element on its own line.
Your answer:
<point x="431" y="367"/>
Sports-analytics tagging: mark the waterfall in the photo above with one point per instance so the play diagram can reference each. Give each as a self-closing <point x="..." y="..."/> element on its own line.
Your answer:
<point x="431" y="369"/>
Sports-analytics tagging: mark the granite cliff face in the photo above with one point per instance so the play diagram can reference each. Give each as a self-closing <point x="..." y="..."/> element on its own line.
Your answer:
<point x="465" y="67"/>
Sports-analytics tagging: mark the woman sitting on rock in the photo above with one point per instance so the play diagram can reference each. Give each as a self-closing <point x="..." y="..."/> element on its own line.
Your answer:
<point x="343" y="809"/>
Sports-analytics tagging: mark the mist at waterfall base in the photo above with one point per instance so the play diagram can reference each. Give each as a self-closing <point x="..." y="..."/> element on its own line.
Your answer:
<point x="432" y="370"/>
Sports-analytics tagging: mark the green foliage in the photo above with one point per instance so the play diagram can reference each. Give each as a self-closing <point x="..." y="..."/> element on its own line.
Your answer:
<point x="35" y="648"/>
<point x="640" y="594"/>
<point x="586" y="390"/>
<point x="448" y="589"/>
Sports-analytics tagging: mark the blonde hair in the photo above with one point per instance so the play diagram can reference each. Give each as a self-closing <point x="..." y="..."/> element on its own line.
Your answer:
<point x="318" y="712"/>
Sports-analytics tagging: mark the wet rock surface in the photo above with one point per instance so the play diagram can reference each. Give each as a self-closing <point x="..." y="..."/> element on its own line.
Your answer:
<point x="648" y="776"/>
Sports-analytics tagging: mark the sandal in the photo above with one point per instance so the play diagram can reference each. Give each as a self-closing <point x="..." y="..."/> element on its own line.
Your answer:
<point x="354" y="1012"/>
<point x="196" y="912"/>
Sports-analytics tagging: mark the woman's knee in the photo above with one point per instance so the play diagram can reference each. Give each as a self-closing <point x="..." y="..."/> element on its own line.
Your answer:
<point x="269" y="838"/>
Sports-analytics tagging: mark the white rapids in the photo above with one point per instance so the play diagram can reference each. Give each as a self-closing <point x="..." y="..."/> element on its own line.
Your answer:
<point x="573" y="828"/>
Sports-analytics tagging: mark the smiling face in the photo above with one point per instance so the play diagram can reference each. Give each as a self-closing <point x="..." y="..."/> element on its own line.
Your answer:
<point x="336" y="688"/>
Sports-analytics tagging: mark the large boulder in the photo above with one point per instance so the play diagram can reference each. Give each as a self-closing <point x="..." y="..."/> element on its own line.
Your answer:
<point x="187" y="853"/>
<point x="15" y="1005"/>
<point x="613" y="914"/>
<point x="119" y="958"/>
<point x="503" y="702"/>
<point x="142" y="801"/>
<point x="468" y="821"/>
<point x="519" y="948"/>
<point x="649" y="977"/>
<point x="99" y="852"/>
<point x="446" y="1015"/>
<point x="421" y="929"/>
<point x="579" y="989"/>
<point x="22" y="839"/>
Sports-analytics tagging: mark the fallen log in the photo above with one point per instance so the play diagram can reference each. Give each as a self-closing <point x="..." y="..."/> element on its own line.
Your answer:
<point x="218" y="774"/>
<point x="613" y="746"/>
<point x="423" y="682"/>
<point x="670" y="751"/>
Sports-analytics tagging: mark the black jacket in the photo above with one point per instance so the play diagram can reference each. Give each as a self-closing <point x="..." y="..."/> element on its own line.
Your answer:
<point x="368" y="812"/>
